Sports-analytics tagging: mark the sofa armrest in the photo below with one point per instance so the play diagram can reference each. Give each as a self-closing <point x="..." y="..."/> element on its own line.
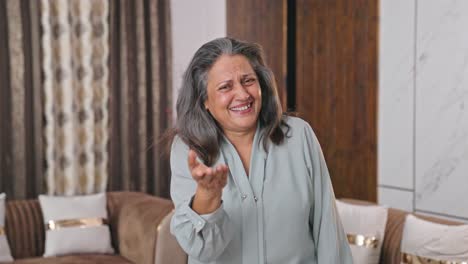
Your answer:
<point x="135" y="218"/>
<point x="167" y="248"/>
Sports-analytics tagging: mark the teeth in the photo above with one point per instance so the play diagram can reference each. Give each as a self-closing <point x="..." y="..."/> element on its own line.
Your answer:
<point x="242" y="108"/>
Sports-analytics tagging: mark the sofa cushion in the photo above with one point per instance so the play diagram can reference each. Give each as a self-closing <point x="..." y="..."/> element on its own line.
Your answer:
<point x="438" y="242"/>
<point x="365" y="227"/>
<point x="79" y="259"/>
<point x="75" y="224"/>
<point x="5" y="254"/>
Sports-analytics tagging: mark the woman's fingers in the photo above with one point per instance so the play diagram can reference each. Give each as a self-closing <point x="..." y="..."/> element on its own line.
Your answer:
<point x="197" y="169"/>
<point x="221" y="176"/>
<point x="209" y="178"/>
<point x="214" y="178"/>
<point x="197" y="173"/>
<point x="209" y="175"/>
<point x="192" y="159"/>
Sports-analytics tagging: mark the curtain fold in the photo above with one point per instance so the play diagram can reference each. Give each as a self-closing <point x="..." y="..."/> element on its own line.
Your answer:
<point x="21" y="146"/>
<point x="140" y="98"/>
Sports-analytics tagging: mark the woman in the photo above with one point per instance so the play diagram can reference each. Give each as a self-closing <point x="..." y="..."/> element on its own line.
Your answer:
<point x="249" y="184"/>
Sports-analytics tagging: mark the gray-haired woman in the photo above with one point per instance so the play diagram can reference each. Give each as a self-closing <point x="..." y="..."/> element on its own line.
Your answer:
<point x="250" y="185"/>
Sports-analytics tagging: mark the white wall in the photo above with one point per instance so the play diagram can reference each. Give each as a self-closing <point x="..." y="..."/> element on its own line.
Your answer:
<point x="423" y="106"/>
<point x="193" y="24"/>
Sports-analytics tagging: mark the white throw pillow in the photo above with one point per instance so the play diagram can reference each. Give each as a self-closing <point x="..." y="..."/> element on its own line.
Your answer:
<point x="365" y="227"/>
<point x="427" y="240"/>
<point x="5" y="253"/>
<point x="78" y="224"/>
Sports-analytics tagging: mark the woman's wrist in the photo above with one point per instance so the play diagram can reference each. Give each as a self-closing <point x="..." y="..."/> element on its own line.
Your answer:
<point x="206" y="202"/>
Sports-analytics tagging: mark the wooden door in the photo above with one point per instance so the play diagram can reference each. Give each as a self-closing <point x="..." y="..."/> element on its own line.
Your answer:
<point x="336" y="92"/>
<point x="333" y="65"/>
<point x="262" y="22"/>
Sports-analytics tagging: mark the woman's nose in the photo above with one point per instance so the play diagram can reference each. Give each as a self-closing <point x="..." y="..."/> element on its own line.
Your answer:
<point x="241" y="92"/>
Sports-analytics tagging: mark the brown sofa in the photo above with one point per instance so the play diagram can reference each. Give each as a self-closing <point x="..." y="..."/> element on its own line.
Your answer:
<point x="390" y="249"/>
<point x="391" y="245"/>
<point x="140" y="232"/>
<point x="139" y="226"/>
<point x="394" y="230"/>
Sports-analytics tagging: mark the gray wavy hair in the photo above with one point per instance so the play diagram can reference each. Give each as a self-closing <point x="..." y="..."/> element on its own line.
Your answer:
<point x="195" y="125"/>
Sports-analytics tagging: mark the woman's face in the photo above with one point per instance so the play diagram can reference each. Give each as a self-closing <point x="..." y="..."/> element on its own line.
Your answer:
<point x="234" y="95"/>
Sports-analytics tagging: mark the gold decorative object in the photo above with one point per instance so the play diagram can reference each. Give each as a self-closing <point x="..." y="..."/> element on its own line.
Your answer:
<point x="413" y="259"/>
<point x="362" y="241"/>
<point x="82" y="223"/>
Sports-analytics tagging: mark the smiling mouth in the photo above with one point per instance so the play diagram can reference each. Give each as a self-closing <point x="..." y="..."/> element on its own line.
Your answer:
<point x="241" y="108"/>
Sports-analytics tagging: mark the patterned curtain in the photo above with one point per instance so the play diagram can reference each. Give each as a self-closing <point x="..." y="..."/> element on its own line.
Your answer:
<point x="53" y="135"/>
<point x="75" y="55"/>
<point x="21" y="145"/>
<point x="140" y="97"/>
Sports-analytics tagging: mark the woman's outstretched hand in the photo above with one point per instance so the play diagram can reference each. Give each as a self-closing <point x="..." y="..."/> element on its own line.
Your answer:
<point x="210" y="184"/>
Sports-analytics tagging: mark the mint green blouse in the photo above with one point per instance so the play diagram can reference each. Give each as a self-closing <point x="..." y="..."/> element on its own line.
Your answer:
<point x="283" y="213"/>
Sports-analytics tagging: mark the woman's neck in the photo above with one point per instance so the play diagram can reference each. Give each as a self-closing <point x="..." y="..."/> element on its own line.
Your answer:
<point x="242" y="142"/>
<point x="239" y="139"/>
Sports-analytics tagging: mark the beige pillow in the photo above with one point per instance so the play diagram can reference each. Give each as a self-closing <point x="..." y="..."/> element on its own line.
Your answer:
<point x="5" y="254"/>
<point x="75" y="224"/>
<point x="365" y="227"/>
<point x="426" y="240"/>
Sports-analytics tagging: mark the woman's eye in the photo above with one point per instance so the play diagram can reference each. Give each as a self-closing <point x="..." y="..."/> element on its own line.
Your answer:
<point x="224" y="87"/>
<point x="249" y="81"/>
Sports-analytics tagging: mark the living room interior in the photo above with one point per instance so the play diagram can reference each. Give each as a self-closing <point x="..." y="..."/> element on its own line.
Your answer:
<point x="88" y="91"/>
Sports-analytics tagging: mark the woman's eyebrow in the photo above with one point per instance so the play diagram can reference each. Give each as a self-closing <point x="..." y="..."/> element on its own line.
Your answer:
<point x="248" y="74"/>
<point x="222" y="82"/>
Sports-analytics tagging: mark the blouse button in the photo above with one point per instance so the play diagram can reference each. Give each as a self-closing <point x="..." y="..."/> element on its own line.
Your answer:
<point x="255" y="198"/>
<point x="244" y="197"/>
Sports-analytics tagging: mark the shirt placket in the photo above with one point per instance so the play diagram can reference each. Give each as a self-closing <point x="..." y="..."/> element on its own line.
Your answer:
<point x="250" y="193"/>
<point x="249" y="211"/>
<point x="256" y="179"/>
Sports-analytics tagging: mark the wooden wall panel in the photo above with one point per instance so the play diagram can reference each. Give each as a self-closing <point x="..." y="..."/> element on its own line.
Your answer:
<point x="336" y="61"/>
<point x="263" y="22"/>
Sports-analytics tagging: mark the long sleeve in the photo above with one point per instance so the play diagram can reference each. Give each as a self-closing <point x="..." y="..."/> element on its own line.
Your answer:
<point x="330" y="240"/>
<point x="203" y="237"/>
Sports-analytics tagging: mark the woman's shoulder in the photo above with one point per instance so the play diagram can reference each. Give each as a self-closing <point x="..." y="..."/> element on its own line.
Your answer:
<point x="296" y="125"/>
<point x="298" y="130"/>
<point x="178" y="146"/>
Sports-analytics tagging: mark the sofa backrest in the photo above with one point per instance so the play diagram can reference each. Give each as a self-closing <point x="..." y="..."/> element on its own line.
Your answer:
<point x="24" y="228"/>
<point x="390" y="253"/>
